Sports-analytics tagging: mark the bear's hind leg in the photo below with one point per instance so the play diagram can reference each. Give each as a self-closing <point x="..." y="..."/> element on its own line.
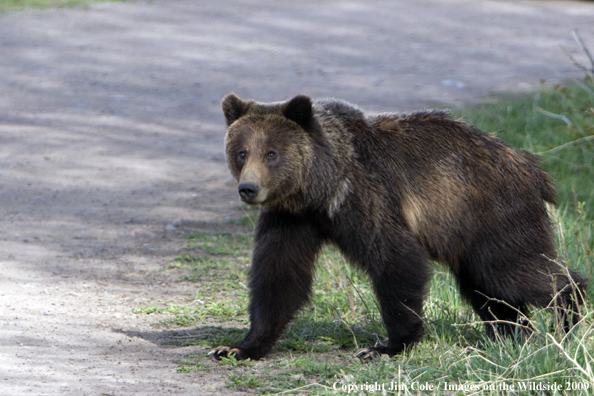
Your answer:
<point x="569" y="289"/>
<point x="499" y="316"/>
<point x="495" y="297"/>
<point x="500" y="292"/>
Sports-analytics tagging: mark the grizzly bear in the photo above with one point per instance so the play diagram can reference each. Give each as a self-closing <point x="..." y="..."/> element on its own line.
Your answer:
<point x="391" y="192"/>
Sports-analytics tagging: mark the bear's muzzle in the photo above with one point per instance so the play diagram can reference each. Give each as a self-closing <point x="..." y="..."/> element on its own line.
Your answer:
<point x="247" y="191"/>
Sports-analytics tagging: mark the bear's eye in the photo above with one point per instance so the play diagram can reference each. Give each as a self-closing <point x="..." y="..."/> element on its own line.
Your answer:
<point x="242" y="155"/>
<point x="271" y="154"/>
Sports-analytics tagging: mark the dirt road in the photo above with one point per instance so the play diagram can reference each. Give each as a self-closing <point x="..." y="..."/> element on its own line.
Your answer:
<point x="111" y="132"/>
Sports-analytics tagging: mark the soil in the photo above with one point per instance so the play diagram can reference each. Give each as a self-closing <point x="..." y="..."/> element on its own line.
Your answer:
<point x="111" y="147"/>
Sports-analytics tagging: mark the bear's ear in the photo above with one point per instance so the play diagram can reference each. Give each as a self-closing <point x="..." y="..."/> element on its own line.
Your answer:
<point x="299" y="110"/>
<point x="233" y="108"/>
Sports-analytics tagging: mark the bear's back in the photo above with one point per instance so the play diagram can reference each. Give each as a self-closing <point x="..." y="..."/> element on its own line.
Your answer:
<point x="453" y="179"/>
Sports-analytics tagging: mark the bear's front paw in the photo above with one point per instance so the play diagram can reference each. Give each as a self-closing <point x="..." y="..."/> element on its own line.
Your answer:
<point x="239" y="352"/>
<point x="225" y="351"/>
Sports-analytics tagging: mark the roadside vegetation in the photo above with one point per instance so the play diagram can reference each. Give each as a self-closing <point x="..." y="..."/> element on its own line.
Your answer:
<point x="19" y="5"/>
<point x="315" y="355"/>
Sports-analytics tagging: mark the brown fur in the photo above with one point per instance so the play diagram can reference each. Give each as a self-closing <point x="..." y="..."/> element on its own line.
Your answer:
<point x="391" y="191"/>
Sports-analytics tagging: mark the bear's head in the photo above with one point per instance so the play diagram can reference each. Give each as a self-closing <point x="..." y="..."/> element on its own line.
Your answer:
<point x="269" y="146"/>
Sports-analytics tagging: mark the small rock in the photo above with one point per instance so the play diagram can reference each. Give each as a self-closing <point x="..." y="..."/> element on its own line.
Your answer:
<point x="453" y="83"/>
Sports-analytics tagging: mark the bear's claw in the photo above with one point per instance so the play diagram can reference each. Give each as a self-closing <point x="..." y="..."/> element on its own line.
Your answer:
<point x="223" y="351"/>
<point x="367" y="354"/>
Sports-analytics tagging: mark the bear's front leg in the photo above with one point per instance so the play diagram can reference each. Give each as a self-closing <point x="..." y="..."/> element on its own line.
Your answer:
<point x="285" y="248"/>
<point x="399" y="282"/>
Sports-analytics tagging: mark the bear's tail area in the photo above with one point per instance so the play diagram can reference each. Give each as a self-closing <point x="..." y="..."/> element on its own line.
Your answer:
<point x="547" y="188"/>
<point x="543" y="180"/>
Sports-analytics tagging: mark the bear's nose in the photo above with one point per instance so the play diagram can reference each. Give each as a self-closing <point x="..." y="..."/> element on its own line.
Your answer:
<point x="247" y="191"/>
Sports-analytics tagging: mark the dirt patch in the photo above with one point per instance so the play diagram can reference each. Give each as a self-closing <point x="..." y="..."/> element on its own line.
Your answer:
<point x="111" y="133"/>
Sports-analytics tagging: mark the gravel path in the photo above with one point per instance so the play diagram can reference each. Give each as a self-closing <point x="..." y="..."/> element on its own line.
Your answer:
<point x="110" y="130"/>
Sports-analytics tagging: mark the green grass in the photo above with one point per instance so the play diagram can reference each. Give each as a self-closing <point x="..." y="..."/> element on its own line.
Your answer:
<point x="19" y="5"/>
<point x="315" y="355"/>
